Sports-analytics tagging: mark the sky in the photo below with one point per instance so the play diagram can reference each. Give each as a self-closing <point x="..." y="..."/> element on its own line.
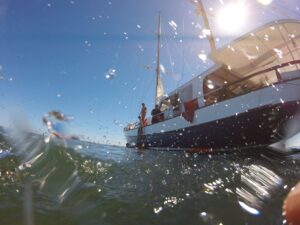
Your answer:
<point x="94" y="60"/>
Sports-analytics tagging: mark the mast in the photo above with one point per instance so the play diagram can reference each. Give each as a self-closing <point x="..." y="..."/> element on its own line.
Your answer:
<point x="211" y="39"/>
<point x="158" y="60"/>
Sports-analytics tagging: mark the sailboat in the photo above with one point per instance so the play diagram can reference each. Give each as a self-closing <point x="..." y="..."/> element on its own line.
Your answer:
<point x="245" y="100"/>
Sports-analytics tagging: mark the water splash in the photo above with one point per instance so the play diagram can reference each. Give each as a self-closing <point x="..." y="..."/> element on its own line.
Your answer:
<point x="173" y="24"/>
<point x="249" y="209"/>
<point x="278" y="52"/>
<point x="266" y="37"/>
<point x="210" y="84"/>
<point x="157" y="210"/>
<point x="203" y="57"/>
<point x="1" y="73"/>
<point x="87" y="43"/>
<point x="258" y="183"/>
<point x="140" y="47"/>
<point x="206" y="32"/>
<point x="55" y="121"/>
<point x="111" y="73"/>
<point x="162" y="68"/>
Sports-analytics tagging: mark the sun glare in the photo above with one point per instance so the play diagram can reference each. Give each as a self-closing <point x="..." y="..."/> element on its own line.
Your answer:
<point x="231" y="17"/>
<point x="265" y="2"/>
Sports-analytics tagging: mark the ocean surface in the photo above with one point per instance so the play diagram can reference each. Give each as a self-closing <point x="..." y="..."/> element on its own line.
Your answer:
<point x="81" y="183"/>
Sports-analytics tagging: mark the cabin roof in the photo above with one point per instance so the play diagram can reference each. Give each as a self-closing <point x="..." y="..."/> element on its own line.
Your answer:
<point x="272" y="44"/>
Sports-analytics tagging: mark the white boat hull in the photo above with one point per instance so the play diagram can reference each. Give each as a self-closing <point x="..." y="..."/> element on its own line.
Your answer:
<point x="256" y="118"/>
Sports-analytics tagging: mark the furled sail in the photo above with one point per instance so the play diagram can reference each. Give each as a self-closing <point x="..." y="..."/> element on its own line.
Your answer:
<point x="159" y="90"/>
<point x="159" y="86"/>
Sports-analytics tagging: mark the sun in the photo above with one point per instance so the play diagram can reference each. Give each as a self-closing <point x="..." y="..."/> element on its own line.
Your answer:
<point x="232" y="17"/>
<point x="265" y="2"/>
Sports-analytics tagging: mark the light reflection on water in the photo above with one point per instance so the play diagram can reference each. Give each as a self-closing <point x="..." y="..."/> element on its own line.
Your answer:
<point x="258" y="184"/>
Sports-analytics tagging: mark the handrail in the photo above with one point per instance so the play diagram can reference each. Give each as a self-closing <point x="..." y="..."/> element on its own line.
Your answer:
<point x="294" y="62"/>
<point x="265" y="71"/>
<point x="252" y="75"/>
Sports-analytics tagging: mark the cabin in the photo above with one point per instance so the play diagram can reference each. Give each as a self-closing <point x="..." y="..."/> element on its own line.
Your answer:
<point x="259" y="59"/>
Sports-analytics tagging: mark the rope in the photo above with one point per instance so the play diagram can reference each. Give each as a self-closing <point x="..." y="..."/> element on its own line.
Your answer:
<point x="169" y="52"/>
<point x="278" y="10"/>
<point x="183" y="54"/>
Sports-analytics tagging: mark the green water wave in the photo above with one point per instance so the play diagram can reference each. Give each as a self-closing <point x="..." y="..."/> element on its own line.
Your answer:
<point x="98" y="184"/>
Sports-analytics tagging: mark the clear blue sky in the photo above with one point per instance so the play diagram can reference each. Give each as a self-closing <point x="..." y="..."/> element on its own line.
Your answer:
<point x="54" y="55"/>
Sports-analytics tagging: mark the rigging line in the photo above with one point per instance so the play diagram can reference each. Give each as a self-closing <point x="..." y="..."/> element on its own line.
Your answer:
<point x="147" y="89"/>
<point x="135" y="76"/>
<point x="133" y="93"/>
<point x="147" y="92"/>
<point x="287" y="9"/>
<point x="293" y="84"/>
<point x="170" y="57"/>
<point x="138" y="79"/>
<point x="183" y="53"/>
<point x="169" y="52"/>
<point x="152" y="80"/>
<point x="275" y="11"/>
<point x="130" y="102"/>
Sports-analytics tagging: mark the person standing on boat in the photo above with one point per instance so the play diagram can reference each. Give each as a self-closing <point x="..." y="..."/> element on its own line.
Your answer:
<point x="143" y="114"/>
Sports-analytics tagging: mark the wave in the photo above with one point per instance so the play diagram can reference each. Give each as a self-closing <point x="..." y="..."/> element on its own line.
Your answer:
<point x="47" y="180"/>
<point x="84" y="183"/>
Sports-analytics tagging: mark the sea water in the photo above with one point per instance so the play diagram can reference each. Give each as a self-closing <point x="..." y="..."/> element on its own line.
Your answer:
<point x="81" y="183"/>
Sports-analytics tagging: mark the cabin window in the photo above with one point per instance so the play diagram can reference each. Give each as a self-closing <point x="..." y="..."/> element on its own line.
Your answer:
<point x="170" y="106"/>
<point x="224" y="84"/>
<point x="186" y="93"/>
<point x="165" y="104"/>
<point x="211" y="87"/>
<point x="175" y="101"/>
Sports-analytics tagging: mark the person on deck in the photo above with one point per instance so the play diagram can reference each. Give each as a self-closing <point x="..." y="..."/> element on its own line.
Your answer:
<point x="143" y="114"/>
<point x="156" y="115"/>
